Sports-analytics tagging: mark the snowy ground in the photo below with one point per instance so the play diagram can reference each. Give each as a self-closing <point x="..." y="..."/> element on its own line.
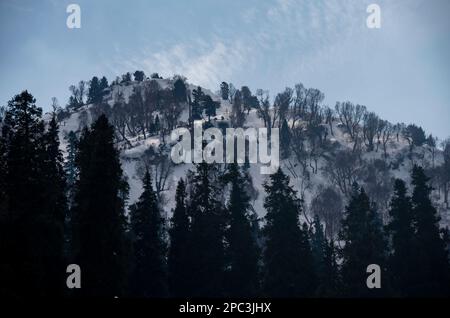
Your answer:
<point x="131" y="156"/>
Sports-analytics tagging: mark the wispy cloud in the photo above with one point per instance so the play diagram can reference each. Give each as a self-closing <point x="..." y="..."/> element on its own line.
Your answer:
<point x="202" y="63"/>
<point x="297" y="28"/>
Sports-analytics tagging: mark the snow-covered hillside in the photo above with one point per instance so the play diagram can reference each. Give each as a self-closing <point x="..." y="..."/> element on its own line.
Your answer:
<point x="399" y="160"/>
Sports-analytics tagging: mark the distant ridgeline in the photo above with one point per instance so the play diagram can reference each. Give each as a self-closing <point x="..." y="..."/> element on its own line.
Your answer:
<point x="324" y="150"/>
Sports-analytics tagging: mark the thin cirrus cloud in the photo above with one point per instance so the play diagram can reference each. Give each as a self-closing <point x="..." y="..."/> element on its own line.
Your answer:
<point x="304" y="26"/>
<point x="202" y="63"/>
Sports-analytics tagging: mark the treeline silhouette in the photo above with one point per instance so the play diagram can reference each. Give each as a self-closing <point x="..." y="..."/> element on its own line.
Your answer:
<point x="213" y="245"/>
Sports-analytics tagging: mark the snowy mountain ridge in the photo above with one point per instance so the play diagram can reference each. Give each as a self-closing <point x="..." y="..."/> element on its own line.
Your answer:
<point x="309" y="177"/>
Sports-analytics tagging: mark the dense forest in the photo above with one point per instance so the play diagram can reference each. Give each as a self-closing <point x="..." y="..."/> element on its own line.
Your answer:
<point x="70" y="205"/>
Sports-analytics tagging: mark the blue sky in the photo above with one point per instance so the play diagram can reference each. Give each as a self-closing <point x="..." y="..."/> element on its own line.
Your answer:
<point x="400" y="71"/>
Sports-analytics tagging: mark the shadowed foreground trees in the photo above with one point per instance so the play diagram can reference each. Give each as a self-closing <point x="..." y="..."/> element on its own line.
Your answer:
<point x="99" y="243"/>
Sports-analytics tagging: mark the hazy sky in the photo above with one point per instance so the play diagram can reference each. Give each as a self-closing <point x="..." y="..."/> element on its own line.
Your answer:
<point x="400" y="71"/>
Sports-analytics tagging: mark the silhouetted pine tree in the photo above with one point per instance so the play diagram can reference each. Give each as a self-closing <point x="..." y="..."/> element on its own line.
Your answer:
<point x="94" y="95"/>
<point x="178" y="256"/>
<point x="330" y="283"/>
<point x="197" y="103"/>
<point x="31" y="228"/>
<point x="98" y="213"/>
<point x="70" y="163"/>
<point x="364" y="244"/>
<point x="3" y="171"/>
<point x="139" y="76"/>
<point x="318" y="242"/>
<point x="55" y="205"/>
<point x="6" y="267"/>
<point x="103" y="85"/>
<point x="242" y="276"/>
<point x="402" y="261"/>
<point x="325" y="263"/>
<point x="149" y="274"/>
<point x="224" y="90"/>
<point x="210" y="107"/>
<point x="207" y="233"/>
<point x="432" y="255"/>
<point x="288" y="259"/>
<point x="179" y="91"/>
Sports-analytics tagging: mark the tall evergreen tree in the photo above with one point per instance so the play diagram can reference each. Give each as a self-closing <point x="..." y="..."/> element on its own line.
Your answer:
<point x="207" y="233"/>
<point x="53" y="182"/>
<point x="324" y="254"/>
<point x="329" y="280"/>
<point x="210" y="107"/>
<point x="139" y="76"/>
<point x="318" y="242"/>
<point x="197" y="103"/>
<point x="94" y="95"/>
<point x="224" y="90"/>
<point x="98" y="213"/>
<point x="432" y="255"/>
<point x="103" y="85"/>
<point x="242" y="276"/>
<point x="402" y="261"/>
<point x="178" y="256"/>
<point x="364" y="244"/>
<point x="70" y="163"/>
<point x="179" y="90"/>
<point x="149" y="275"/>
<point x="31" y="220"/>
<point x="288" y="259"/>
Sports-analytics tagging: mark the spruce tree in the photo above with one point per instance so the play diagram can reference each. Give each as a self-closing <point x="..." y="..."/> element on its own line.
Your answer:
<point x="431" y="254"/>
<point x="139" y="76"/>
<point x="329" y="280"/>
<point x="53" y="182"/>
<point x="178" y="256"/>
<point x="149" y="275"/>
<point x="197" y="103"/>
<point x="288" y="258"/>
<point x="94" y="91"/>
<point x="179" y="90"/>
<point x="207" y="233"/>
<point x="324" y="254"/>
<point x="103" y="85"/>
<point x="364" y="244"/>
<point x="318" y="243"/>
<point x="99" y="245"/>
<point x="31" y="222"/>
<point x="242" y="276"/>
<point x="210" y="107"/>
<point x="224" y="90"/>
<point x="402" y="260"/>
<point x="70" y="167"/>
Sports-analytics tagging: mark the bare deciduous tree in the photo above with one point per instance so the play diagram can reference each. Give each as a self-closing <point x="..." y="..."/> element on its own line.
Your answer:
<point x="342" y="170"/>
<point x="370" y="128"/>
<point x="386" y="134"/>
<point x="350" y="116"/>
<point x="264" y="107"/>
<point x="327" y="204"/>
<point x="281" y="106"/>
<point x="159" y="163"/>
<point x="329" y="118"/>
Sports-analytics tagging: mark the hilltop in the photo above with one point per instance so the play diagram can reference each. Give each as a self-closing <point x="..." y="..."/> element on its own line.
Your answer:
<point x="323" y="150"/>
